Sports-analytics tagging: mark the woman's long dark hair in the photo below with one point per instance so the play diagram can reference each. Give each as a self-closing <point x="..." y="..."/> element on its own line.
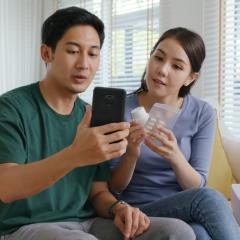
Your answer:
<point x="194" y="47"/>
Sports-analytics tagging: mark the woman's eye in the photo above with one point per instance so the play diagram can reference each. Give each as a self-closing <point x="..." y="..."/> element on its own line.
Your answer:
<point x="159" y="58"/>
<point x="177" y="67"/>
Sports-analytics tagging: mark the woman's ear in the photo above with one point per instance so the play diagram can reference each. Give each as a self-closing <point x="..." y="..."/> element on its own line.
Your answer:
<point x="192" y="77"/>
<point x="46" y="53"/>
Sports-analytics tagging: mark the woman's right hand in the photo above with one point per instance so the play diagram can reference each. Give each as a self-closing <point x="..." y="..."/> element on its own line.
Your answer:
<point x="135" y="138"/>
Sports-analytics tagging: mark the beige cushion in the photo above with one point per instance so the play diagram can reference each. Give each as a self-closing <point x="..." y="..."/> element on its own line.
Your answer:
<point x="231" y="145"/>
<point x="220" y="175"/>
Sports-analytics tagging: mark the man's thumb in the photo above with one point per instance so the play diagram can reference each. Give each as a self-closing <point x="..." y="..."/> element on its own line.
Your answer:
<point x="86" y="118"/>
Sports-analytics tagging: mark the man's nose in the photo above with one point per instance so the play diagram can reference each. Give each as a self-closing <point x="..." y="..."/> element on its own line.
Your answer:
<point x="82" y="61"/>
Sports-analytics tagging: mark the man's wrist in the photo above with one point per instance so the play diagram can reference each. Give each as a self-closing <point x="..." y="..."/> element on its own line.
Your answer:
<point x="112" y="208"/>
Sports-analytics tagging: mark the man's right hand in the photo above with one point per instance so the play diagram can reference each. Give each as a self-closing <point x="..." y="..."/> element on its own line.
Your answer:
<point x="95" y="145"/>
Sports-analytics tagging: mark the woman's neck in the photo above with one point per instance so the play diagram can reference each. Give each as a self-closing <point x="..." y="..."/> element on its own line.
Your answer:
<point x="146" y="100"/>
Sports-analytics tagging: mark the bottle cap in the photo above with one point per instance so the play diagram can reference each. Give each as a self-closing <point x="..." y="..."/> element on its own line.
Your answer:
<point x="139" y="115"/>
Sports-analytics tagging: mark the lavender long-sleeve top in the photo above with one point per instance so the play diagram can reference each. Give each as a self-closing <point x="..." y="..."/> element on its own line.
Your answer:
<point x="154" y="177"/>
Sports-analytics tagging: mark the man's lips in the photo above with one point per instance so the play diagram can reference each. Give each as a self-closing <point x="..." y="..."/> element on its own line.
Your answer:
<point x="79" y="78"/>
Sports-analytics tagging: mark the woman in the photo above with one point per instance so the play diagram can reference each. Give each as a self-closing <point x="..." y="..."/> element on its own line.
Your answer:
<point x="168" y="179"/>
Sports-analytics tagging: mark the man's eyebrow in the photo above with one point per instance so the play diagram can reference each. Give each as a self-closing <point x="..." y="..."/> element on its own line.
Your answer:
<point x="78" y="45"/>
<point x="176" y="59"/>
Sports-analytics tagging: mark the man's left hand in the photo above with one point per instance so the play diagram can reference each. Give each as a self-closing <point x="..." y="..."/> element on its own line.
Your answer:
<point x="130" y="221"/>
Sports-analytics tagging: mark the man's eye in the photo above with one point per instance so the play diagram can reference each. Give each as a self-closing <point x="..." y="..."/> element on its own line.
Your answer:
<point x="73" y="51"/>
<point x="93" y="54"/>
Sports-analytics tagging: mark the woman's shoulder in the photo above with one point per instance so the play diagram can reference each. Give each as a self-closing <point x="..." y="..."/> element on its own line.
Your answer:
<point x="132" y="100"/>
<point x="200" y="111"/>
<point x="199" y="105"/>
<point x="131" y="97"/>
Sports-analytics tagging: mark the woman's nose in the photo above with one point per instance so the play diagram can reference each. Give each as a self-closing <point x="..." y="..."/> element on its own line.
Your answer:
<point x="163" y="69"/>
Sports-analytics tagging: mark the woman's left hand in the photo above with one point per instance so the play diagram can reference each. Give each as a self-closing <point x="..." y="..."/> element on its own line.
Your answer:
<point x="168" y="147"/>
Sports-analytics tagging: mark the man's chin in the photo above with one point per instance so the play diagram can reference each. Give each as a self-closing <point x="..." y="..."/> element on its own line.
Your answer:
<point x="74" y="91"/>
<point x="78" y="90"/>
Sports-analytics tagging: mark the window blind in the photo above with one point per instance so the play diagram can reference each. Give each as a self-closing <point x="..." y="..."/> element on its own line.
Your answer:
<point x="131" y="28"/>
<point x="230" y="65"/>
<point x="211" y="36"/>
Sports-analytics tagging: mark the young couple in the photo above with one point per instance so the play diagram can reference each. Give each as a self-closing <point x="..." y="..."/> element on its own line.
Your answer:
<point x="54" y="168"/>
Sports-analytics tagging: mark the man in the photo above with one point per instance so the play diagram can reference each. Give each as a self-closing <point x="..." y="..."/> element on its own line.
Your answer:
<point x="53" y="170"/>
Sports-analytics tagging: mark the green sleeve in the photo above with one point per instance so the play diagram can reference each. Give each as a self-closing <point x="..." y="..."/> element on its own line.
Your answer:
<point x="103" y="172"/>
<point x="12" y="136"/>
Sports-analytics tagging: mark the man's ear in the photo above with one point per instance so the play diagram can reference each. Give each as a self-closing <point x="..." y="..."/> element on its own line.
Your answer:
<point x="46" y="53"/>
<point x="192" y="77"/>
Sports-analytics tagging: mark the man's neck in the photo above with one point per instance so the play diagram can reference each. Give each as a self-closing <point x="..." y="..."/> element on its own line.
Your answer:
<point x="60" y="100"/>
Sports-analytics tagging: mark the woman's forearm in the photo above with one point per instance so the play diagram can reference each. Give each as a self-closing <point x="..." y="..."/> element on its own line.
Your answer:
<point x="122" y="173"/>
<point x="186" y="175"/>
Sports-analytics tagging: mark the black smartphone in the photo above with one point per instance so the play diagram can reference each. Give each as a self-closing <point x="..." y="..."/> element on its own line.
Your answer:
<point x="108" y="106"/>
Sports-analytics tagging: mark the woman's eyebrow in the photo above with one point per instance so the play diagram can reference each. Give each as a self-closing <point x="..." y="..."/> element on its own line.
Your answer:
<point x="176" y="59"/>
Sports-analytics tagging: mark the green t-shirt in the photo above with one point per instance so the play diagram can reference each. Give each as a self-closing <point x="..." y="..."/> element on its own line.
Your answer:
<point x="30" y="131"/>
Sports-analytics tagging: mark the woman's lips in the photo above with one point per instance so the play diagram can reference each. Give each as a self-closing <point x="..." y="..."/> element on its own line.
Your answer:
<point x="159" y="82"/>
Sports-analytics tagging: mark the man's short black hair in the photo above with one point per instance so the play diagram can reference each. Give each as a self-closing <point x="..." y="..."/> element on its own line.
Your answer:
<point x="59" y="22"/>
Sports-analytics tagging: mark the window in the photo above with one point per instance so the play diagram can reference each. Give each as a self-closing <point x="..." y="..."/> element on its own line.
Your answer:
<point x="230" y="65"/>
<point x="130" y="34"/>
<point x="133" y="26"/>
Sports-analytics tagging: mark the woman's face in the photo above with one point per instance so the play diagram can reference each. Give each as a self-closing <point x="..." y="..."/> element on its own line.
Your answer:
<point x="168" y="70"/>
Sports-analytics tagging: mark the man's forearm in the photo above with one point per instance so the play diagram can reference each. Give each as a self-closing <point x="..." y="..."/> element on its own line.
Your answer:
<point x="22" y="181"/>
<point x="102" y="201"/>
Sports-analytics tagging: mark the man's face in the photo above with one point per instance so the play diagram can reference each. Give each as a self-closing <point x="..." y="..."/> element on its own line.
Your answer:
<point x="73" y="64"/>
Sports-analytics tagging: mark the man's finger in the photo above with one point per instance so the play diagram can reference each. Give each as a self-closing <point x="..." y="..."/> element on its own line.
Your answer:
<point x="121" y="224"/>
<point x="135" y="222"/>
<point x="118" y="146"/>
<point x="143" y="225"/>
<point x="116" y="136"/>
<point x="86" y="118"/>
<point x="113" y="127"/>
<point x="128" y="223"/>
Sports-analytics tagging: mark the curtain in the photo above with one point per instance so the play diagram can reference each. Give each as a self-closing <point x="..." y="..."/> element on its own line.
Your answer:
<point x="20" y="31"/>
<point x="230" y="64"/>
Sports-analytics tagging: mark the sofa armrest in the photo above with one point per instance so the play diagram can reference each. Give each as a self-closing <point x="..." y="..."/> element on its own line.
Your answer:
<point x="235" y="201"/>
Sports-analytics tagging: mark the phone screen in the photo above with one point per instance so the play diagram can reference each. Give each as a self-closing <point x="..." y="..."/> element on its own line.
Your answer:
<point x="108" y="105"/>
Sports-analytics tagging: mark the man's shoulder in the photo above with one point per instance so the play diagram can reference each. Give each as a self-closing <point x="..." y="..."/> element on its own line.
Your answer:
<point x="18" y="99"/>
<point x="17" y="95"/>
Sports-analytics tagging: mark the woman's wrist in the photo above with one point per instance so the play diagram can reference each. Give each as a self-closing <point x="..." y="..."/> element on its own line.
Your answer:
<point x="132" y="154"/>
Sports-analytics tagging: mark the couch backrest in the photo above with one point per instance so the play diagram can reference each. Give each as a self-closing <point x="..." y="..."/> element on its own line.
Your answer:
<point x="220" y="174"/>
